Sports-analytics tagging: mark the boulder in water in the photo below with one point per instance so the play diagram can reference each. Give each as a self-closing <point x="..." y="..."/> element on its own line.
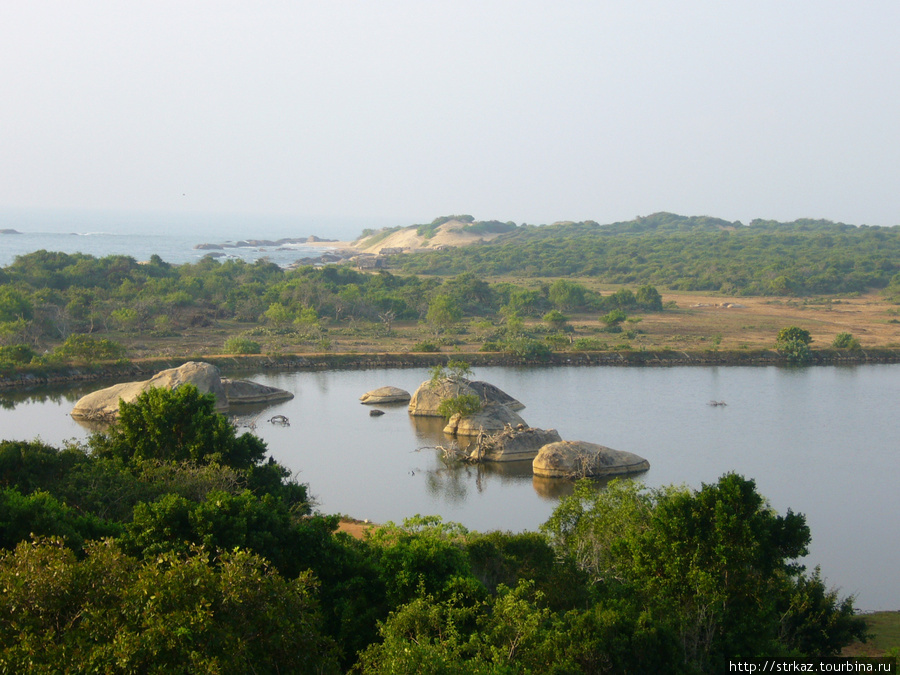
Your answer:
<point x="492" y="418"/>
<point x="575" y="459"/>
<point x="428" y="397"/>
<point x="512" y="444"/>
<point x="385" y="395"/>
<point x="103" y="405"/>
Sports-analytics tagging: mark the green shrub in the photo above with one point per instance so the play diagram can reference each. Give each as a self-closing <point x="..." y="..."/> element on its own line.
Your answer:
<point x="793" y="343"/>
<point x="87" y="348"/>
<point x="239" y="345"/>
<point x="587" y="344"/>
<point x="16" y="354"/>
<point x="528" y="348"/>
<point x="557" y="341"/>
<point x="425" y="346"/>
<point x="464" y="404"/>
<point x="846" y="341"/>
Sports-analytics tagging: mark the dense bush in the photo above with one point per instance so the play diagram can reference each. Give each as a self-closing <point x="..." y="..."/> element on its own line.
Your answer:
<point x="239" y="345"/>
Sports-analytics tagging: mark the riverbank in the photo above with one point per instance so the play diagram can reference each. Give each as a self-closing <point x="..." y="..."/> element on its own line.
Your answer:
<point x="122" y="370"/>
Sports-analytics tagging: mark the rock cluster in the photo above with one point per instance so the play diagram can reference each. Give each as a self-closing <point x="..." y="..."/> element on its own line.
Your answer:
<point x="497" y="434"/>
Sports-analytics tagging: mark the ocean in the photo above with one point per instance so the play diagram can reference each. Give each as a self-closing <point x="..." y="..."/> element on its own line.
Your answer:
<point x="174" y="237"/>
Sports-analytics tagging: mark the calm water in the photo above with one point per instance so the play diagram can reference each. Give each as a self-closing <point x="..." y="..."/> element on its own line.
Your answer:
<point x="822" y="441"/>
<point x="170" y="235"/>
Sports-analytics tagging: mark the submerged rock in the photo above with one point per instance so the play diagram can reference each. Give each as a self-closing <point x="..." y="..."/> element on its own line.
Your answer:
<point x="385" y="395"/>
<point x="103" y="405"/>
<point x="575" y="459"/>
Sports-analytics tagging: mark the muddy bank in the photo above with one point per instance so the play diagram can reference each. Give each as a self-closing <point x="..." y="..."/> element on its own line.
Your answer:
<point x="32" y="376"/>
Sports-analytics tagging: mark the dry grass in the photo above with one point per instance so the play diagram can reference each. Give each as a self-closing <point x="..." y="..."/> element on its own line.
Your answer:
<point x="692" y="322"/>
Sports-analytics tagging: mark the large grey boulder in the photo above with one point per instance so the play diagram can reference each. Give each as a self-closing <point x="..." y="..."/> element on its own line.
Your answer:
<point x="512" y="444"/>
<point x="574" y="459"/>
<point x="103" y="405"/>
<point x="489" y="392"/>
<point x="385" y="395"/>
<point x="492" y="418"/>
<point x="427" y="398"/>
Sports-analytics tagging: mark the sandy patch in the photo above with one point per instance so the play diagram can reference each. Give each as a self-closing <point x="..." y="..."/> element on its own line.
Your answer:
<point x="449" y="234"/>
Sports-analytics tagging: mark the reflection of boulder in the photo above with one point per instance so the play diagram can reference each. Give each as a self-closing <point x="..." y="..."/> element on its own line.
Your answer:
<point x="491" y="419"/>
<point x="552" y="488"/>
<point x="385" y="395"/>
<point x="512" y="444"/>
<point x="428" y="397"/>
<point x="572" y="459"/>
<point x="103" y="405"/>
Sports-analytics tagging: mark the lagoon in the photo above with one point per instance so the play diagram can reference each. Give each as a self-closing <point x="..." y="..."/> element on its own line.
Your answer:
<point x="821" y="441"/>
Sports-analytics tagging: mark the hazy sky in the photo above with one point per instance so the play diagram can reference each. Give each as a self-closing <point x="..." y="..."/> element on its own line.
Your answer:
<point x="524" y="111"/>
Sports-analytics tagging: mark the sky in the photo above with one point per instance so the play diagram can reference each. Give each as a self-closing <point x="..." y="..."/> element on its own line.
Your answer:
<point x="524" y="111"/>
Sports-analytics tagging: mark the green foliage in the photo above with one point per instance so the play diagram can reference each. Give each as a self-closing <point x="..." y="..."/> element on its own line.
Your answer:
<point x="221" y="522"/>
<point x="443" y="312"/>
<point x="648" y="298"/>
<point x="86" y="348"/>
<point x="555" y="319"/>
<point x="14" y="305"/>
<point x="689" y="253"/>
<point x="239" y="345"/>
<point x="456" y="371"/>
<point x="464" y="404"/>
<point x="112" y="613"/>
<point x="566" y="294"/>
<point x="16" y="354"/>
<point x="793" y="342"/>
<point x="528" y="349"/>
<point x="794" y="334"/>
<point x="179" y="425"/>
<point x="589" y="344"/>
<point x="614" y="317"/>
<point x="40" y="514"/>
<point x="716" y="565"/>
<point x="422" y="556"/>
<point x="846" y="341"/>
<point x="425" y="346"/>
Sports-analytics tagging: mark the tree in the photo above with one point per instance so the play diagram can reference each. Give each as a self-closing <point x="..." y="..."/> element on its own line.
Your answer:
<point x="177" y="425"/>
<point x="170" y="613"/>
<point x="555" y="319"/>
<point x="566" y="294"/>
<point x="648" y="298"/>
<point x="794" y="343"/>
<point x="717" y="565"/>
<point x="443" y="312"/>
<point x="613" y="317"/>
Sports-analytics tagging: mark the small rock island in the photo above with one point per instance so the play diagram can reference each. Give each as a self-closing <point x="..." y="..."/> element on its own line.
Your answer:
<point x="103" y="405"/>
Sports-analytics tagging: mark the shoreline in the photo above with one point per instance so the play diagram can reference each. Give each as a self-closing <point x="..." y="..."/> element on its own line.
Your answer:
<point x="37" y="376"/>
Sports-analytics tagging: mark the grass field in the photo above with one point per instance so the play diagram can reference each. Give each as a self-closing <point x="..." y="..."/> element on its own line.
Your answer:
<point x="885" y="641"/>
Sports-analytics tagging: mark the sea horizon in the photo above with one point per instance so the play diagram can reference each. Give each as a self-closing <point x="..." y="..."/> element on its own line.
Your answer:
<point x="173" y="236"/>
